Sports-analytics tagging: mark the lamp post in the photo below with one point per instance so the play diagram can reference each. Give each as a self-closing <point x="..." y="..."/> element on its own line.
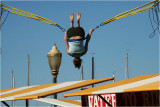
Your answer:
<point x="54" y="61"/>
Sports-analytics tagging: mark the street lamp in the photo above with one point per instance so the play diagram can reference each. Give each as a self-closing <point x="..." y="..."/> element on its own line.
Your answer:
<point x="54" y="61"/>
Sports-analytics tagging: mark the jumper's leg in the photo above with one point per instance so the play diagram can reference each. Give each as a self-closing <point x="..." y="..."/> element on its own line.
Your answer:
<point x="78" y="19"/>
<point x="72" y="19"/>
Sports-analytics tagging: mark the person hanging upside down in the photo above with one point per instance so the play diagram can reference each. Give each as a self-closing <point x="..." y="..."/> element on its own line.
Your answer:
<point x="74" y="38"/>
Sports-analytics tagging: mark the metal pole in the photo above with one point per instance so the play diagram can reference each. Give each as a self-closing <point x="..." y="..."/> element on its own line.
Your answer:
<point x="27" y="101"/>
<point x="113" y="77"/>
<point x="55" y="95"/>
<point x="127" y="76"/>
<point x="55" y="81"/>
<point x="93" y="69"/>
<point x="28" y="69"/>
<point x="12" y="86"/>
<point x="82" y="72"/>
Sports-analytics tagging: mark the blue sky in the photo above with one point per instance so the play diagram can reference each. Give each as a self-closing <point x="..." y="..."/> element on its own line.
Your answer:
<point x="21" y="36"/>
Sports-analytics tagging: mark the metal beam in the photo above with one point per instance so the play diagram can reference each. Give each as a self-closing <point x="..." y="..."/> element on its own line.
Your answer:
<point x="27" y="103"/>
<point x="5" y="103"/>
<point x="105" y="100"/>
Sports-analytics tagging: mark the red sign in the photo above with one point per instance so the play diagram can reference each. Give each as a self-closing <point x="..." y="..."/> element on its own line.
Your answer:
<point x="144" y="98"/>
<point x="96" y="101"/>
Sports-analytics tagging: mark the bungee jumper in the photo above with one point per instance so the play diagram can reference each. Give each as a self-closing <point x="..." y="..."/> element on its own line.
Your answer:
<point x="74" y="38"/>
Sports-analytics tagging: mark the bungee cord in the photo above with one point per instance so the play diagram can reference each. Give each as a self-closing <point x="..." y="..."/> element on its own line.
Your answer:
<point x="137" y="10"/>
<point x="29" y="15"/>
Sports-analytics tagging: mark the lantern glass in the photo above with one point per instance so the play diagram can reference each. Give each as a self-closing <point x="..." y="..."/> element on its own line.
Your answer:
<point x="54" y="60"/>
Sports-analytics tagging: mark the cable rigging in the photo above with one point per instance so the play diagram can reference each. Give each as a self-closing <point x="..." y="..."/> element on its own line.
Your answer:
<point x="4" y="20"/>
<point x="1" y="24"/>
<point x="2" y="12"/>
<point x="153" y="20"/>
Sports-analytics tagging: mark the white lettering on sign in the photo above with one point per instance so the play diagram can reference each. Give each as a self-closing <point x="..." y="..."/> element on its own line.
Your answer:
<point x="96" y="101"/>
